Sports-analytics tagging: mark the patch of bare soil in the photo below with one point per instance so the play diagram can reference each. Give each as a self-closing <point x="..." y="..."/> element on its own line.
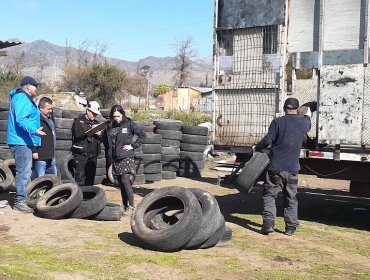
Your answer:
<point x="319" y="201"/>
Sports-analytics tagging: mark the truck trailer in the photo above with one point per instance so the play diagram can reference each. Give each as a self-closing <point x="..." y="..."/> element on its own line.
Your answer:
<point x="316" y="51"/>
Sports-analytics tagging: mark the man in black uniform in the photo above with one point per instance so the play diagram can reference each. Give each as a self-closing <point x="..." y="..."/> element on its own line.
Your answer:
<point x="285" y="136"/>
<point x="86" y="148"/>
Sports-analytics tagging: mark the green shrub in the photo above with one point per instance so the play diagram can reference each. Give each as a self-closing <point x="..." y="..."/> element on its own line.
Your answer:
<point x="191" y="118"/>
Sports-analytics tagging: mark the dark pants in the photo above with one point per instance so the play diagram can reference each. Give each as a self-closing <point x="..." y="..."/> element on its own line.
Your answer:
<point x="274" y="183"/>
<point x="85" y="170"/>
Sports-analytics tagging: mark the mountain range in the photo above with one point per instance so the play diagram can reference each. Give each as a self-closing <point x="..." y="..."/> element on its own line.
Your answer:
<point x="45" y="61"/>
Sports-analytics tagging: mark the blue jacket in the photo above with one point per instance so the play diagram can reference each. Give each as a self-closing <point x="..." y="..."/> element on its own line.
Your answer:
<point x="23" y="120"/>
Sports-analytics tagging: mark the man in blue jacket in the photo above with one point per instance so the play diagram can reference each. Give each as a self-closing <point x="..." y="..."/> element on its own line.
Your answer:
<point x="23" y="135"/>
<point x="285" y="136"/>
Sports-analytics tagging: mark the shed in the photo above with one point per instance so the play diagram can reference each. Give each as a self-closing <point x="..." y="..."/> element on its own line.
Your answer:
<point x="185" y="98"/>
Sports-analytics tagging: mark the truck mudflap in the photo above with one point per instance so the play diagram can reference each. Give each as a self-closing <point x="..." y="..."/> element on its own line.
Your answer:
<point x="335" y="155"/>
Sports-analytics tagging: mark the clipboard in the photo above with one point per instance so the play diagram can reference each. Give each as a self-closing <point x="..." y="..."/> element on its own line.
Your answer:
<point x="96" y="129"/>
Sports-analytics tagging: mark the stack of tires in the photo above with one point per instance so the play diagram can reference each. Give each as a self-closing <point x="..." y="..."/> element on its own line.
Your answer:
<point x="4" y="148"/>
<point x="170" y="146"/>
<point x="152" y="157"/>
<point x="53" y="199"/>
<point x="193" y="143"/>
<point x="174" y="218"/>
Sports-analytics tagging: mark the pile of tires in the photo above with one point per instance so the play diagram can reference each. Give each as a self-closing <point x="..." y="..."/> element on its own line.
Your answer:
<point x="4" y="148"/>
<point x="53" y="199"/>
<point x="193" y="143"/>
<point x="174" y="218"/>
<point x="170" y="146"/>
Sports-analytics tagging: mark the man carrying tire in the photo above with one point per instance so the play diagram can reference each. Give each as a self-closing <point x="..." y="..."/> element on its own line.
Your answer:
<point x="285" y="136"/>
<point x="86" y="148"/>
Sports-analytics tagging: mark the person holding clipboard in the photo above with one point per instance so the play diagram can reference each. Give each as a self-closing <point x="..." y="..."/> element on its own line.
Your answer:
<point x="86" y="139"/>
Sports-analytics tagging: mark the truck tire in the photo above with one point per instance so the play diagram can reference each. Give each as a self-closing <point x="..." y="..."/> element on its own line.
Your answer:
<point x="251" y="171"/>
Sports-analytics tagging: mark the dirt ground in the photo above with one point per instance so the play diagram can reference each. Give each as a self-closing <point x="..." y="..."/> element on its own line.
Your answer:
<point x="319" y="199"/>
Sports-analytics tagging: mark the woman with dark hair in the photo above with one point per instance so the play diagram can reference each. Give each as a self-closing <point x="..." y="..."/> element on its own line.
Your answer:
<point x="119" y="137"/>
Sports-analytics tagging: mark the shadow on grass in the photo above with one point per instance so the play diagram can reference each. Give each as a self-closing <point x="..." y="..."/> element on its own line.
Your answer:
<point x="330" y="207"/>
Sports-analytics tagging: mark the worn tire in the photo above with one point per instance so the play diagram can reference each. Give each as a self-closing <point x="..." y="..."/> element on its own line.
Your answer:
<point x="6" y="177"/>
<point x="93" y="202"/>
<point x="175" y="237"/>
<point x="194" y="130"/>
<point x="38" y="187"/>
<point x="50" y="205"/>
<point x="251" y="171"/>
<point x="111" y="212"/>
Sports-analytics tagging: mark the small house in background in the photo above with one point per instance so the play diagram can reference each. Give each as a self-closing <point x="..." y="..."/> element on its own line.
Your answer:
<point x="186" y="99"/>
<point x="6" y="44"/>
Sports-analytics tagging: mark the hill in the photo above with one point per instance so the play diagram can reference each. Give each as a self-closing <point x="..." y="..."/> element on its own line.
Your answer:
<point x="46" y="60"/>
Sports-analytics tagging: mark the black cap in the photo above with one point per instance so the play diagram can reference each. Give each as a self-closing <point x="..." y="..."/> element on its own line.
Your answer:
<point x="27" y="80"/>
<point x="291" y="103"/>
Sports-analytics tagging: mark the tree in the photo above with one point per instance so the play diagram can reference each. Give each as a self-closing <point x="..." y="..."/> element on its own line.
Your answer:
<point x="183" y="60"/>
<point x="19" y="62"/>
<point x="146" y="73"/>
<point x="161" y="88"/>
<point x="103" y="83"/>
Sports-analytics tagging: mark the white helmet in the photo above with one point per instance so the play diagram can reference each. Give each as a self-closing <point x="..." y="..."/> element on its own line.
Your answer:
<point x="94" y="107"/>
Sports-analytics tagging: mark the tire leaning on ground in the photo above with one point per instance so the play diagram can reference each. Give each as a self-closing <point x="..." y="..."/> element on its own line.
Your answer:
<point x="111" y="212"/>
<point x="175" y="237"/>
<point x="6" y="177"/>
<point x="10" y="162"/>
<point x="38" y="187"/>
<point x="251" y="171"/>
<point x="93" y="202"/>
<point x="60" y="201"/>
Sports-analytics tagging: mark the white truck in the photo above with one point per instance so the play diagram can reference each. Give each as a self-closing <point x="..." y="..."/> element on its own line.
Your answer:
<point x="316" y="51"/>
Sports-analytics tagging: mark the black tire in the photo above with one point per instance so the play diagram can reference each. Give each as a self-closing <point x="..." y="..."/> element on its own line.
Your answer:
<point x="170" y="143"/>
<point x="152" y="138"/>
<point x="3" y="125"/>
<point x="66" y="166"/>
<point x="168" y="175"/>
<point x="99" y="179"/>
<point x="151" y="158"/>
<point x="5" y="153"/>
<point x="192" y="147"/>
<point x="175" y="237"/>
<point x="153" y="177"/>
<point x="168" y="125"/>
<point x="170" y="151"/>
<point x="57" y="112"/>
<point x="170" y="166"/>
<point x="38" y="187"/>
<point x="2" y="137"/>
<point x="151" y="148"/>
<point x="216" y="237"/>
<point x="111" y="177"/>
<point x="194" y="139"/>
<point x="111" y="212"/>
<point x="251" y="171"/>
<point x="52" y="207"/>
<point x="210" y="221"/>
<point x="4" y="106"/>
<point x="10" y="162"/>
<point x="93" y="202"/>
<point x="4" y="115"/>
<point x="194" y="130"/>
<point x="63" y="123"/>
<point x="153" y="167"/>
<point x="170" y="158"/>
<point x="64" y="145"/>
<point x="71" y="114"/>
<point x="63" y="134"/>
<point x="170" y="134"/>
<point x="6" y="177"/>
<point x="139" y="180"/>
<point x="226" y="238"/>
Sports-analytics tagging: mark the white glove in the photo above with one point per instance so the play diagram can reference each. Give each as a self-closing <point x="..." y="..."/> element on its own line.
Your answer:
<point x="308" y="113"/>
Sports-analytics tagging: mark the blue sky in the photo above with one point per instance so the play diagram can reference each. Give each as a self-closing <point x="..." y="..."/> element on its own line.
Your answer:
<point x="132" y="29"/>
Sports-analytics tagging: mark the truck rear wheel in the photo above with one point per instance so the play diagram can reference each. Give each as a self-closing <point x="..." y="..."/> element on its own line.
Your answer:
<point x="360" y="188"/>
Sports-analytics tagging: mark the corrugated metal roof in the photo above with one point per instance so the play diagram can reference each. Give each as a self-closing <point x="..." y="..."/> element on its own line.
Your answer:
<point x="6" y="44"/>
